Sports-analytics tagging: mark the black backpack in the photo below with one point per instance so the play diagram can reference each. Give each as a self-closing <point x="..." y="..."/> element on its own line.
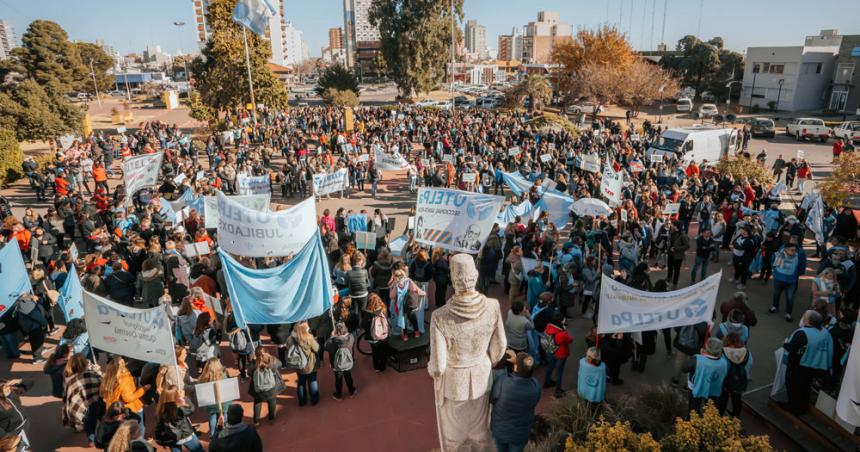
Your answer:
<point x="737" y="378"/>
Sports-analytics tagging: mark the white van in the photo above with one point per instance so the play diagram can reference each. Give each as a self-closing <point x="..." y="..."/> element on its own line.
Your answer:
<point x="684" y="104"/>
<point x="695" y="143"/>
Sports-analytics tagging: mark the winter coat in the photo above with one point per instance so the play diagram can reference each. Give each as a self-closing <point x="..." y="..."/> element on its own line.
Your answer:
<point x="236" y="438"/>
<point x="150" y="287"/>
<point x="259" y="396"/>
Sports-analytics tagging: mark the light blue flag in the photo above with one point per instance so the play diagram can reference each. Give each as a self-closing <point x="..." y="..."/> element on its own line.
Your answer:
<point x="516" y="183"/>
<point x="167" y="210"/>
<point x="558" y="206"/>
<point x="253" y="15"/>
<point x="513" y="211"/>
<point x="356" y="222"/>
<point x="71" y="299"/>
<point x="14" y="281"/>
<point x="298" y="290"/>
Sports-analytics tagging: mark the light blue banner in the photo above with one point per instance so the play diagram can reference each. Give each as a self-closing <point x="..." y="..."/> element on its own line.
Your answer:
<point x="14" y="280"/>
<point x="298" y="290"/>
<point x="513" y="211"/>
<point x="558" y="206"/>
<point x="71" y="299"/>
<point x="253" y="14"/>
<point x="516" y="183"/>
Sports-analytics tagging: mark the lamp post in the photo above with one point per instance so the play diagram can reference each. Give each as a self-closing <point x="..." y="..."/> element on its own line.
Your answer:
<point x="779" y="93"/>
<point x="185" y="60"/>
<point x="752" y="90"/>
<point x="729" y="96"/>
<point x="662" y="88"/>
<point x="95" y="85"/>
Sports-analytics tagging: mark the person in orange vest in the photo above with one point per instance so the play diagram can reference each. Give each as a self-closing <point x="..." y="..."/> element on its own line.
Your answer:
<point x="61" y="185"/>
<point x="692" y="169"/>
<point x="100" y="176"/>
<point x="24" y="237"/>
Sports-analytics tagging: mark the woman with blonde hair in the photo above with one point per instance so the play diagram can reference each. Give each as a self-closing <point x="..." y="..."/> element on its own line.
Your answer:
<point x="266" y="383"/>
<point x="174" y="429"/>
<point x="306" y="343"/>
<point x="118" y="385"/>
<point x="80" y="391"/>
<point x="343" y="267"/>
<point x="186" y="320"/>
<point x="174" y="375"/>
<point x="405" y="303"/>
<point x="129" y="438"/>
<point x="213" y="371"/>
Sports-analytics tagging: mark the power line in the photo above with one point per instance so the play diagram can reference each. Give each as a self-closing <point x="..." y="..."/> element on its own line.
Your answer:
<point x="663" y="33"/>
<point x="651" y="37"/>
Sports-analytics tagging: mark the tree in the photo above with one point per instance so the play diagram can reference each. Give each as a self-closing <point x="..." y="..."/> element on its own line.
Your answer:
<point x="843" y="186"/>
<point x="643" y="82"/>
<point x="47" y="56"/>
<point x="101" y="64"/>
<point x="306" y="67"/>
<point x="536" y="88"/>
<point x="339" y="78"/>
<point x="35" y="114"/>
<point x="220" y="73"/>
<point x="11" y="156"/>
<point x="416" y="40"/>
<point x="605" y="47"/>
<point x="744" y="168"/>
<point x="598" y="83"/>
<point x="340" y="98"/>
<point x="705" y="66"/>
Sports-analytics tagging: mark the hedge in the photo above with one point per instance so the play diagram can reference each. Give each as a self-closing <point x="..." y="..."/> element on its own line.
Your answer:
<point x="11" y="157"/>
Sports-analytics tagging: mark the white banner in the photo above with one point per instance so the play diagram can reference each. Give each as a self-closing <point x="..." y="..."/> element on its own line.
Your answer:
<point x="330" y="183"/>
<point x="391" y="162"/>
<point x="141" y="171"/>
<point x="624" y="309"/>
<point x="848" y="404"/>
<point x="260" y="203"/>
<point x="247" y="232"/>
<point x="610" y="186"/>
<point x="253" y="185"/>
<point x="590" y="163"/>
<point x="545" y="158"/>
<point x="143" y="334"/>
<point x="455" y="220"/>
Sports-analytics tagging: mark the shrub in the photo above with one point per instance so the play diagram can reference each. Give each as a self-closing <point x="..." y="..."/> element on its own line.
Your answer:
<point x="552" y="120"/>
<point x="11" y="157"/>
<point x="744" y="168"/>
<point x="843" y="185"/>
<point x="608" y="437"/>
<point x="572" y="416"/>
<point x="340" y="98"/>
<point x="711" y="432"/>
<point x="653" y="409"/>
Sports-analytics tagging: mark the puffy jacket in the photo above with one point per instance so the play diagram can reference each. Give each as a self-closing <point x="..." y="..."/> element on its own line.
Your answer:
<point x="128" y="392"/>
<point x="561" y="338"/>
<point x="236" y="438"/>
<point x="167" y="433"/>
<point x="358" y="281"/>
<point x="381" y="273"/>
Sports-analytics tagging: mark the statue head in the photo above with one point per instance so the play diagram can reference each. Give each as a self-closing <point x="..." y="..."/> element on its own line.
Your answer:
<point x="464" y="275"/>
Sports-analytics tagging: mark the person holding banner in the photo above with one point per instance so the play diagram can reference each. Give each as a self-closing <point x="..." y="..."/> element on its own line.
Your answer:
<point x="118" y="385"/>
<point x="174" y="428"/>
<point x="214" y="371"/>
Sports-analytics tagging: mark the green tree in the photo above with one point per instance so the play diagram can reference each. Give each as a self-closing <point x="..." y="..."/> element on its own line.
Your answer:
<point x="101" y="64"/>
<point x="339" y="78"/>
<point x="536" y="89"/>
<point x="705" y="65"/>
<point x="416" y="40"/>
<point x="11" y="156"/>
<point x="34" y="114"/>
<point x="220" y="73"/>
<point x="340" y="98"/>
<point x="47" y="56"/>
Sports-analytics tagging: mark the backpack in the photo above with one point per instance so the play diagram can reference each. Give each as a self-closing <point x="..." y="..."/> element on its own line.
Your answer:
<point x="342" y="361"/>
<point x="688" y="338"/>
<point x="297" y="359"/>
<point x="736" y="378"/>
<point x="239" y="342"/>
<point x="547" y="341"/>
<point x="264" y="380"/>
<point x="379" y="328"/>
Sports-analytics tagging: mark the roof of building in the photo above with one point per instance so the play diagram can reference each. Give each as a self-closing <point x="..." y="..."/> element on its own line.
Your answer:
<point x="278" y="69"/>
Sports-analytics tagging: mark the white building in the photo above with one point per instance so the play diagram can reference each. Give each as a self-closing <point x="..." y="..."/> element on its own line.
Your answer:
<point x="7" y="39"/>
<point x="794" y="77"/>
<point x="297" y="50"/>
<point x="357" y="28"/>
<point x="475" y="37"/>
<point x="277" y="34"/>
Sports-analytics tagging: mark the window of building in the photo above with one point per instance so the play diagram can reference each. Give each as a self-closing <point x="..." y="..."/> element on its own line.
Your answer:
<point x="777" y="68"/>
<point x="810" y="68"/>
<point x="844" y="73"/>
<point x="818" y="68"/>
<point x="756" y="68"/>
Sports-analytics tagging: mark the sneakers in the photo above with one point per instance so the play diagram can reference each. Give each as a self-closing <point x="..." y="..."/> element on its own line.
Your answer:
<point x="771" y="310"/>
<point x="788" y="317"/>
<point x="337" y="397"/>
<point x="741" y="286"/>
<point x="353" y="392"/>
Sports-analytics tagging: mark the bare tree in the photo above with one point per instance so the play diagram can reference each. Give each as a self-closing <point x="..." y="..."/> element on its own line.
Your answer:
<point x="641" y="83"/>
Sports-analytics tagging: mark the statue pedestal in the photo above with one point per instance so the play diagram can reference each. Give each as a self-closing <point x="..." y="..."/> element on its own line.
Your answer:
<point x="408" y="355"/>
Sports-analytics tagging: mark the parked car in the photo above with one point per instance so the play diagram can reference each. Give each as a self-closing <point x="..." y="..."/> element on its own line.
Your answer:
<point x="803" y="128"/>
<point x="762" y="127"/>
<point x="848" y="131"/>
<point x="585" y="107"/>
<point x="460" y="101"/>
<point x="708" y="111"/>
<point x="708" y="97"/>
<point x="684" y="104"/>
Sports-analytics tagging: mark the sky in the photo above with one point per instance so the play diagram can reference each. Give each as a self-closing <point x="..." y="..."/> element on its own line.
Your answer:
<point x="130" y="25"/>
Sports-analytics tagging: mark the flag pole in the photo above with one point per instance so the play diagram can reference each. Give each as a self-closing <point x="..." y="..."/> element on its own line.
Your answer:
<point x="250" y="81"/>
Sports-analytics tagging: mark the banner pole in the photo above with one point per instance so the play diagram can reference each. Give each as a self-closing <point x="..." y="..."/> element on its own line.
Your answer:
<point x="250" y="80"/>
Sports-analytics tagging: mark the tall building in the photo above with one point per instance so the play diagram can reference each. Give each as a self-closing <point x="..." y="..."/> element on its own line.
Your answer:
<point x="274" y="33"/>
<point x="359" y="36"/>
<point x="541" y="36"/>
<point x="7" y="39"/>
<point x="511" y="46"/>
<point x="335" y="38"/>
<point x="297" y="50"/>
<point x="476" y="40"/>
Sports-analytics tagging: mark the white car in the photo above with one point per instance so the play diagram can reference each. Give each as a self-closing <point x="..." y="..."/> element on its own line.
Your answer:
<point x="586" y="107"/>
<point x="425" y="103"/>
<point x="848" y="131"/>
<point x="708" y="110"/>
<point x="684" y="104"/>
<point x="803" y="128"/>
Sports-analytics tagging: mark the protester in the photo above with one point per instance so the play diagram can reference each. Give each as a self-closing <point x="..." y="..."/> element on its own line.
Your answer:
<point x="213" y="372"/>
<point x="302" y="357"/>
<point x="809" y="356"/>
<point x="340" y="346"/>
<point x="235" y="435"/>
<point x="556" y="344"/>
<point x="266" y="383"/>
<point x="514" y="395"/>
<point x="174" y="429"/>
<point x="707" y="372"/>
<point x="80" y="395"/>
<point x="591" y="380"/>
<point x="738" y="374"/>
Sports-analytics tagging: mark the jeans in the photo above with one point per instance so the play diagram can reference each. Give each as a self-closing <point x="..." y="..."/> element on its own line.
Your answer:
<point x="142" y="427"/>
<point x="10" y="345"/>
<point x="308" y="383"/>
<point x="270" y="403"/>
<point x="213" y="424"/>
<point x="505" y="446"/>
<point x="373" y="186"/>
<point x="703" y="261"/>
<point x="554" y="364"/>
<point x="192" y="445"/>
<point x="339" y="377"/>
<point x="778" y="288"/>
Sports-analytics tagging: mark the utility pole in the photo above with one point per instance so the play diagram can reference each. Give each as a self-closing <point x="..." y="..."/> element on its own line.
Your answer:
<point x="250" y="81"/>
<point x="95" y="85"/>
<point x="453" y="38"/>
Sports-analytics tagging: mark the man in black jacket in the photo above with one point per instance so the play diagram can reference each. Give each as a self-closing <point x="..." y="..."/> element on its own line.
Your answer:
<point x="121" y="285"/>
<point x="235" y="435"/>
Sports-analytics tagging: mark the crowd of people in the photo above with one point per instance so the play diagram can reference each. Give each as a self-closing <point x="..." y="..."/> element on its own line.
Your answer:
<point x="127" y="247"/>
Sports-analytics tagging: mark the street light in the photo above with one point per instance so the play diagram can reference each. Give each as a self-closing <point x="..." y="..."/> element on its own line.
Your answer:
<point x="95" y="85"/>
<point x="185" y="60"/>
<point x="729" y="95"/>
<point x="779" y="93"/>
<point x="662" y="88"/>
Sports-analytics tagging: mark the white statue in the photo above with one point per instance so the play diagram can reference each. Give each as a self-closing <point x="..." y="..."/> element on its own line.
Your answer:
<point x="467" y="338"/>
